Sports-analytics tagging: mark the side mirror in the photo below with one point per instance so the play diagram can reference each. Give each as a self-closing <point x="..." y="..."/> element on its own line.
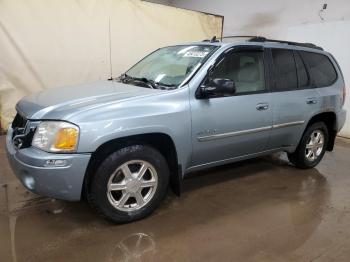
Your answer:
<point x="217" y="87"/>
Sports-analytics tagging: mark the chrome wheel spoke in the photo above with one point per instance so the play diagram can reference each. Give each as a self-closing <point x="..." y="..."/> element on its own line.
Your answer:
<point x="123" y="199"/>
<point x="317" y="138"/>
<point x="308" y="146"/>
<point x="116" y="187"/>
<point x="148" y="183"/>
<point x="318" y="145"/>
<point x="308" y="154"/>
<point x="126" y="171"/>
<point x="320" y="141"/>
<point x="312" y="155"/>
<point x="142" y="171"/>
<point x="139" y="198"/>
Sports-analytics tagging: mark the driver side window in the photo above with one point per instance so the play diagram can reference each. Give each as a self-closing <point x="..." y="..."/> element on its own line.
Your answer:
<point x="245" y="68"/>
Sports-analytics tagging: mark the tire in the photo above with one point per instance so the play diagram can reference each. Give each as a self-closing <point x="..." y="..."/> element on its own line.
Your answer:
<point x="304" y="157"/>
<point x="122" y="203"/>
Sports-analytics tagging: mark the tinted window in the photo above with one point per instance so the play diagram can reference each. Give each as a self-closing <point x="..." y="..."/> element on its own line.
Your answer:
<point x="303" y="78"/>
<point x="321" y="69"/>
<point x="285" y="70"/>
<point x="245" y="68"/>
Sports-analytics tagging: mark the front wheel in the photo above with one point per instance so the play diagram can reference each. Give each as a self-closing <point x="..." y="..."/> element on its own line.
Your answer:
<point x="312" y="147"/>
<point x="129" y="184"/>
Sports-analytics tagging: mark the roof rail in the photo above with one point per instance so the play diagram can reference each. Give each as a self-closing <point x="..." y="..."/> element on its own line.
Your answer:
<point x="238" y="36"/>
<point x="263" y="39"/>
<point x="215" y="39"/>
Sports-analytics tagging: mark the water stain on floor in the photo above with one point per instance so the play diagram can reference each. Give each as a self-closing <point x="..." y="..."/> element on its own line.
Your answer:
<point x="257" y="210"/>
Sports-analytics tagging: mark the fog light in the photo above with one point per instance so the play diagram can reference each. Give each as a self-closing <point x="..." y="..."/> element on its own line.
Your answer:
<point x="29" y="182"/>
<point x="56" y="162"/>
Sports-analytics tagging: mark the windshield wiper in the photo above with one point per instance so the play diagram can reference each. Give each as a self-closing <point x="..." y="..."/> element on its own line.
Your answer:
<point x="148" y="82"/>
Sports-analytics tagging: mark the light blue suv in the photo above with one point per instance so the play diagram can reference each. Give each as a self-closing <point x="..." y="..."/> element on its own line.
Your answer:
<point x="182" y="108"/>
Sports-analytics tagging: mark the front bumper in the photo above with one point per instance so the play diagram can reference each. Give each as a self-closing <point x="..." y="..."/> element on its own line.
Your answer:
<point x="32" y="167"/>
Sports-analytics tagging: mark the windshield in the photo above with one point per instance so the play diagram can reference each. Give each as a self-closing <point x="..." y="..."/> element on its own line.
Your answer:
<point x="170" y="66"/>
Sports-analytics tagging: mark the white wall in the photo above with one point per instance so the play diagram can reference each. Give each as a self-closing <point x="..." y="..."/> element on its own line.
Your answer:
<point x="46" y="44"/>
<point x="267" y="17"/>
<point x="297" y="20"/>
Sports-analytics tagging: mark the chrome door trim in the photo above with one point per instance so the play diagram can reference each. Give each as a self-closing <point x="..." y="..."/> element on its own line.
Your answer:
<point x="230" y="134"/>
<point x="248" y="131"/>
<point x="289" y="124"/>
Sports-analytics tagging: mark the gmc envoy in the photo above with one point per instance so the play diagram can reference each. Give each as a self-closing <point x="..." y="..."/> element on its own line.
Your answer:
<point x="122" y="142"/>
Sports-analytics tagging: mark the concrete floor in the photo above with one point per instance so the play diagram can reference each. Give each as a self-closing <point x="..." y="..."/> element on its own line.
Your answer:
<point x="257" y="210"/>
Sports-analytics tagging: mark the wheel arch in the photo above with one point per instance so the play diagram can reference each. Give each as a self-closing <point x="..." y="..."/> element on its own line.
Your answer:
<point x="160" y="141"/>
<point x="330" y="120"/>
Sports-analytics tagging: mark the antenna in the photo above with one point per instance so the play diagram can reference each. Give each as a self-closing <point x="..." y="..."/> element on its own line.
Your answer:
<point x="212" y="40"/>
<point x="110" y="49"/>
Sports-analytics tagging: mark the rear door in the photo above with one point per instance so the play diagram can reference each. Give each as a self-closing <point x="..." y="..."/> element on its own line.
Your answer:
<point x="324" y="77"/>
<point x="294" y="98"/>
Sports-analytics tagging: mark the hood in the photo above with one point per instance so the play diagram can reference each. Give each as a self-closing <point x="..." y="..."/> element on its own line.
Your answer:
<point x="59" y="103"/>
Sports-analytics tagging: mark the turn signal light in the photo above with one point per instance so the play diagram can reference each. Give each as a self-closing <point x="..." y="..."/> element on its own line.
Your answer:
<point x="66" y="138"/>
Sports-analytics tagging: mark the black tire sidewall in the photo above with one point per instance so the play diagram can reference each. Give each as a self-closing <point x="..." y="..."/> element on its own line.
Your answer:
<point x="98" y="187"/>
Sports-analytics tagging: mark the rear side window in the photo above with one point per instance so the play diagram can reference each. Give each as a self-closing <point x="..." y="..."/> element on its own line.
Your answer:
<point x="321" y="69"/>
<point x="285" y="70"/>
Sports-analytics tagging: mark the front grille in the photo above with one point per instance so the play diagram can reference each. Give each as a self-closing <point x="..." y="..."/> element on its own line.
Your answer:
<point x="19" y="122"/>
<point x="21" y="137"/>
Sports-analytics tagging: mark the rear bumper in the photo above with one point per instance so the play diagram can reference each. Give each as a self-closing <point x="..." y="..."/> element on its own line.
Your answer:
<point x="341" y="117"/>
<point x="35" y="170"/>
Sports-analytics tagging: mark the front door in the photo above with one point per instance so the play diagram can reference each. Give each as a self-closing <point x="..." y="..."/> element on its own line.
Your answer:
<point x="231" y="126"/>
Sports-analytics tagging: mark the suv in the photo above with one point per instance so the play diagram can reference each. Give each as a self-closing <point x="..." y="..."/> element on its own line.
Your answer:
<point x="182" y="108"/>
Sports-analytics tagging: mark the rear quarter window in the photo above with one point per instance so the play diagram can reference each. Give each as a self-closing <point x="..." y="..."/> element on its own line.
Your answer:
<point x="321" y="69"/>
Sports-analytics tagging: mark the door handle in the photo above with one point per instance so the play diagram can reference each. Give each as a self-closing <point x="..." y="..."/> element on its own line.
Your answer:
<point x="311" y="101"/>
<point x="262" y="106"/>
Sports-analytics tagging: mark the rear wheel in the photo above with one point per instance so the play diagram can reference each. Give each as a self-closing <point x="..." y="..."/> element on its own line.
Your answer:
<point x="129" y="184"/>
<point x="312" y="146"/>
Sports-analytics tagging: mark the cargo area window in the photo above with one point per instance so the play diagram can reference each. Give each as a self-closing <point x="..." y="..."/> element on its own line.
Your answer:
<point x="321" y="69"/>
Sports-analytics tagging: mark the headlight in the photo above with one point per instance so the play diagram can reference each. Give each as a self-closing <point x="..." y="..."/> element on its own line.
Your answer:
<point x="54" y="136"/>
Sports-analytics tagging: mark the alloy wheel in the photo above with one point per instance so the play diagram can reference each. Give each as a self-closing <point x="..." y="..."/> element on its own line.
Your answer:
<point x="132" y="185"/>
<point x="314" y="145"/>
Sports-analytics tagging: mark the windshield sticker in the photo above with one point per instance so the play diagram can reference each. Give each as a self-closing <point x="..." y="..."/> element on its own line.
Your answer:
<point x="195" y="54"/>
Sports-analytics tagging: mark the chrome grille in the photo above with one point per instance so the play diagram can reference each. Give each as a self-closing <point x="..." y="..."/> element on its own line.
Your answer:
<point x="21" y="137"/>
<point x="19" y="122"/>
